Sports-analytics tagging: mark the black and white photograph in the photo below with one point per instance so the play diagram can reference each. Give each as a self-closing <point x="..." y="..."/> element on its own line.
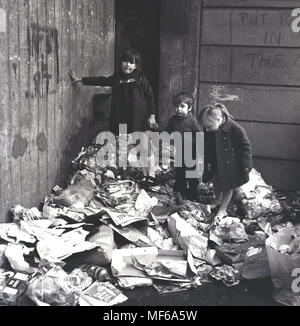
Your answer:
<point x="150" y="156"/>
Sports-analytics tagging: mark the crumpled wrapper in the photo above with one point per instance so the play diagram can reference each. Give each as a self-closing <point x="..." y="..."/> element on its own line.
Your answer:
<point x="229" y="229"/>
<point x="227" y="274"/>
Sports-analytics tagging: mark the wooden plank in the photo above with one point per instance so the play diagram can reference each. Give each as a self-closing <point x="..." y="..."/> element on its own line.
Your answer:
<point x="59" y="19"/>
<point x="107" y="25"/>
<point x="216" y="26"/>
<point x="5" y="185"/>
<point x="259" y="103"/>
<point x="79" y="68"/>
<point x="283" y="175"/>
<point x="28" y="172"/>
<point x="73" y="95"/>
<point x="18" y="145"/>
<point x="31" y="182"/>
<point x="251" y="65"/>
<point x="179" y="52"/>
<point x="171" y="66"/>
<point x="253" y="3"/>
<point x="65" y="56"/>
<point x="215" y="64"/>
<point x="274" y="140"/>
<point x="43" y="85"/>
<point x="52" y="60"/>
<point x="249" y="27"/>
<point x="191" y="47"/>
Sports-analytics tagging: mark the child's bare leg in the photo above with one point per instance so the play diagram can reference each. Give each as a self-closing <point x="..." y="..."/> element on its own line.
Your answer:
<point x="226" y="197"/>
<point x="217" y="200"/>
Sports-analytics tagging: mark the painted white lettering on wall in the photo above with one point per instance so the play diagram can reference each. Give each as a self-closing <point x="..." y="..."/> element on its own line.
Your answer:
<point x="220" y="94"/>
<point x="296" y="21"/>
<point x="2" y="21"/>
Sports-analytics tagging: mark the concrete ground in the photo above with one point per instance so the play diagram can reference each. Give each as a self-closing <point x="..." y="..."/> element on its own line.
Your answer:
<point x="247" y="293"/>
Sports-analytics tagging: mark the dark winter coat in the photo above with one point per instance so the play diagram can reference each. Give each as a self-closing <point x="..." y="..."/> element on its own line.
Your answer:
<point x="229" y="152"/>
<point x="182" y="125"/>
<point x="132" y="100"/>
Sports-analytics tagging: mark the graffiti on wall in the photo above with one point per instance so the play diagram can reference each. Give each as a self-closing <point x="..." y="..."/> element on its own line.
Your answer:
<point x="43" y="46"/>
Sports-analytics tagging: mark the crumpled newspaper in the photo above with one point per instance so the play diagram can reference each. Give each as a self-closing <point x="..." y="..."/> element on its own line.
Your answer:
<point x="187" y="237"/>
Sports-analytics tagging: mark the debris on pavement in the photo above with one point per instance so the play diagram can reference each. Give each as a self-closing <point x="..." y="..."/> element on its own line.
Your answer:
<point x="111" y="230"/>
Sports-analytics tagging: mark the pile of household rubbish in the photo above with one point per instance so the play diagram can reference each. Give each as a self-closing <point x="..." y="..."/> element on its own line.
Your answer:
<point x="112" y="230"/>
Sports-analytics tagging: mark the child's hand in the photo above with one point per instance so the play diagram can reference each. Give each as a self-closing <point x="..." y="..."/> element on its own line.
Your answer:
<point x="74" y="78"/>
<point x="246" y="171"/>
<point x="152" y="122"/>
<point x="209" y="167"/>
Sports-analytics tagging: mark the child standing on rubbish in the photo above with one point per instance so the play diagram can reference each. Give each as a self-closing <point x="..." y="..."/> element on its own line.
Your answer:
<point x="227" y="154"/>
<point x="184" y="122"/>
<point x="132" y="96"/>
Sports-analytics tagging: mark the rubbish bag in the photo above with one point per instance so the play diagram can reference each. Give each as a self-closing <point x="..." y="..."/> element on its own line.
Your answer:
<point x="282" y="265"/>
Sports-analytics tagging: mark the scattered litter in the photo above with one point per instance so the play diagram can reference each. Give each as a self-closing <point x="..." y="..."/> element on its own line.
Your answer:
<point x="115" y="229"/>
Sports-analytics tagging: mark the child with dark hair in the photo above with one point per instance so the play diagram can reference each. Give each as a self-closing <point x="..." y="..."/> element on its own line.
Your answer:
<point x="132" y="96"/>
<point x="227" y="154"/>
<point x="184" y="122"/>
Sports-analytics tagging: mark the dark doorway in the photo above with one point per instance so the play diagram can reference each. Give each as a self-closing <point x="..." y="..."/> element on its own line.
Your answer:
<point x="138" y="26"/>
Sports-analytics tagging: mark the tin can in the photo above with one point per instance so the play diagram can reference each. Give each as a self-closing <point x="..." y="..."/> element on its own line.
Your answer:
<point x="96" y="272"/>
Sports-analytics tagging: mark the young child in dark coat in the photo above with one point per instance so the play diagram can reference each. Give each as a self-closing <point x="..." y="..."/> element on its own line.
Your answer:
<point x="132" y="96"/>
<point x="227" y="154"/>
<point x="182" y="122"/>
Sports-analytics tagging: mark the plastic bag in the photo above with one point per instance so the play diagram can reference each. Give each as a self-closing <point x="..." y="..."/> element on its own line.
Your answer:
<point x="75" y="196"/>
<point x="55" y="288"/>
<point x="282" y="265"/>
<point x="256" y="198"/>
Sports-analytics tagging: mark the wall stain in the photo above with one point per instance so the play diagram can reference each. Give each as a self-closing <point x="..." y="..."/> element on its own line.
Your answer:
<point x="42" y="142"/>
<point x="15" y="66"/>
<point x="19" y="147"/>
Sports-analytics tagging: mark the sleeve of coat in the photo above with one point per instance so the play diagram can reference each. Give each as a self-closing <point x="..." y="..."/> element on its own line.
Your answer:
<point x="243" y="147"/>
<point x="149" y="95"/>
<point x="169" y="127"/>
<point x="98" y="81"/>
